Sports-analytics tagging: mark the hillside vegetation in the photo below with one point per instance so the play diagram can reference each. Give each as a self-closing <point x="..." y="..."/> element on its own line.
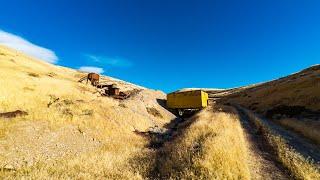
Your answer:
<point x="211" y="146"/>
<point x="68" y="130"/>
<point x="67" y="127"/>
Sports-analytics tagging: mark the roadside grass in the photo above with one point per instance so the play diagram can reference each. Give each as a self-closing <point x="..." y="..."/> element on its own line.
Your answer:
<point x="212" y="147"/>
<point x="309" y="129"/>
<point x="298" y="166"/>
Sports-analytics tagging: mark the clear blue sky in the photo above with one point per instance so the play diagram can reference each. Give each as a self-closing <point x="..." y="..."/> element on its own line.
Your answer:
<point x="167" y="44"/>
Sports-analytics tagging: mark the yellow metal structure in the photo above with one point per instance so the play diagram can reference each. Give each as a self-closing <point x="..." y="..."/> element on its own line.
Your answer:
<point x="194" y="99"/>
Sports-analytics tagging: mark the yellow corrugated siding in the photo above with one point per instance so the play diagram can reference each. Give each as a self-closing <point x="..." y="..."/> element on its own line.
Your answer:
<point x="204" y="98"/>
<point x="185" y="100"/>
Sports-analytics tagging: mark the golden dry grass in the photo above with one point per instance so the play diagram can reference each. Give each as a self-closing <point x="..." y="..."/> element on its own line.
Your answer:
<point x="212" y="147"/>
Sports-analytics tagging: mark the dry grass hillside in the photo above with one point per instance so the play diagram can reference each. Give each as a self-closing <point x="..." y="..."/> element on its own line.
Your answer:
<point x="292" y="101"/>
<point x="64" y="128"/>
<point x="54" y="127"/>
<point x="299" y="89"/>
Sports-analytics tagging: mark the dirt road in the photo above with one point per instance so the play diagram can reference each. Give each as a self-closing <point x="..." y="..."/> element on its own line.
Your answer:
<point x="300" y="144"/>
<point x="262" y="161"/>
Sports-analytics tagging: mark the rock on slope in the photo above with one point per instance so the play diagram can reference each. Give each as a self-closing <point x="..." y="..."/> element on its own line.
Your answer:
<point x="64" y="117"/>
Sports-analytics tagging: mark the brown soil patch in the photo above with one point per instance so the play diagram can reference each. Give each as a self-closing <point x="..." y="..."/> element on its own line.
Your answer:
<point x="13" y="114"/>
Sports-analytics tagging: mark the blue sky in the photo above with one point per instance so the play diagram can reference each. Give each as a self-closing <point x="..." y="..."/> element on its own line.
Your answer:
<point x="168" y="44"/>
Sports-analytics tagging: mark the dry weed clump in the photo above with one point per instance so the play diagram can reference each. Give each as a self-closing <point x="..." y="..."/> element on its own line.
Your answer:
<point x="33" y="74"/>
<point x="153" y="111"/>
<point x="212" y="147"/>
<point x="299" y="167"/>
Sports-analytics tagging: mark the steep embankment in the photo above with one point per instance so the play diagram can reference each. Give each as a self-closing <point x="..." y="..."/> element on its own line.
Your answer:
<point x="51" y="125"/>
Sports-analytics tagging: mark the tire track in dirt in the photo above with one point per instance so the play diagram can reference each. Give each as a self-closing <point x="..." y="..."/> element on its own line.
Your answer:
<point x="262" y="160"/>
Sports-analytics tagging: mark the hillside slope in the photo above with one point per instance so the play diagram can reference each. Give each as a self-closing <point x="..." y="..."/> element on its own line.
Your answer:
<point x="299" y="89"/>
<point x="292" y="101"/>
<point x="58" y="119"/>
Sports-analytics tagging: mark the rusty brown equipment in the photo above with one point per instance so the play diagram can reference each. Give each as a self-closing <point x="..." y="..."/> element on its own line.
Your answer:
<point x="113" y="90"/>
<point x="93" y="78"/>
<point x="110" y="90"/>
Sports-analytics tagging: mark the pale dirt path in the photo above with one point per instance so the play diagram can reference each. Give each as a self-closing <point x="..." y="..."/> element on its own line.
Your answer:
<point x="262" y="161"/>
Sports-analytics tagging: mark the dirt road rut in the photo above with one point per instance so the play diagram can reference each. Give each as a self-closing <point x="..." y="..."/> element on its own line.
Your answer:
<point x="262" y="160"/>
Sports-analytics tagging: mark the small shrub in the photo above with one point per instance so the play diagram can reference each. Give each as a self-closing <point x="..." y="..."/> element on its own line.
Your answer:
<point x="67" y="112"/>
<point x="53" y="99"/>
<point x="67" y="102"/>
<point x="33" y="74"/>
<point x="153" y="111"/>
